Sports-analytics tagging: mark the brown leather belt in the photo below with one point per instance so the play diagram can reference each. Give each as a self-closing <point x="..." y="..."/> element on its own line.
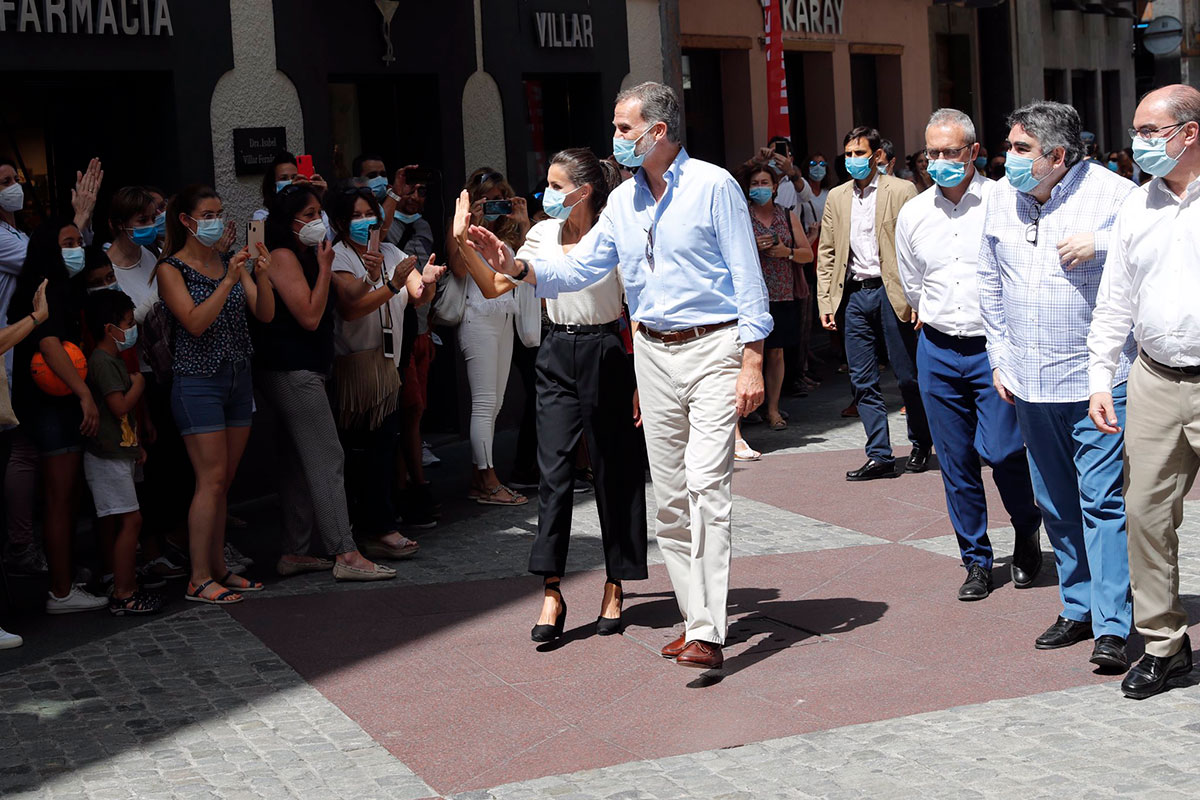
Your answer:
<point x="1191" y="372"/>
<point x="686" y="335"/>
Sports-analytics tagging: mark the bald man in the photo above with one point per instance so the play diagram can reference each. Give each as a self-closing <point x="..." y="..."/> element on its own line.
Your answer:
<point x="1151" y="283"/>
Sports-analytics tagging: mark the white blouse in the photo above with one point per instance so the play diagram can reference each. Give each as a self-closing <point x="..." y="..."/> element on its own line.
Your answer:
<point x="598" y="304"/>
<point x="366" y="333"/>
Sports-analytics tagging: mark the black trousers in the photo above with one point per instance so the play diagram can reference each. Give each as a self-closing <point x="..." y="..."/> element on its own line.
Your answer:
<point x="585" y="388"/>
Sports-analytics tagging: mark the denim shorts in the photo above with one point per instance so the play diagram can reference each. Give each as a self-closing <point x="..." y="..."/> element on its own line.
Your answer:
<point x="53" y="424"/>
<point x="210" y="403"/>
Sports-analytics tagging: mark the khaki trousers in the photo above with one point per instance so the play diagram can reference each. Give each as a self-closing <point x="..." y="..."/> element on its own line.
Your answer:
<point x="687" y="393"/>
<point x="1162" y="455"/>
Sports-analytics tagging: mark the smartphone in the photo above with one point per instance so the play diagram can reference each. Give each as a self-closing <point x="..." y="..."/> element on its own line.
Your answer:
<point x="304" y="166"/>
<point x="255" y="235"/>
<point x="501" y="207"/>
<point x="415" y="175"/>
<point x="373" y="238"/>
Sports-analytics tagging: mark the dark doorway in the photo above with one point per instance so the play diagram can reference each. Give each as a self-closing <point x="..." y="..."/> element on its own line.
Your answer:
<point x="561" y="111"/>
<point x="954" y="72"/>
<point x="703" y="108"/>
<point x="864" y="90"/>
<point x="797" y="102"/>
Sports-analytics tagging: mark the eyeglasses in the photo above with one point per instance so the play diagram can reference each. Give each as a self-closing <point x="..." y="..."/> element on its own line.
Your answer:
<point x="1146" y="132"/>
<point x="950" y="153"/>
<point x="650" y="246"/>
<point x="1035" y="214"/>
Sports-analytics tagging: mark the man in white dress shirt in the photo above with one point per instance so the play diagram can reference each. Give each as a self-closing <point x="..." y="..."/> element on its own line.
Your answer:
<point x="937" y="249"/>
<point x="1152" y="283"/>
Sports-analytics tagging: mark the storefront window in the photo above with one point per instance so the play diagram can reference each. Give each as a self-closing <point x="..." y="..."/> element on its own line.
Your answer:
<point x="561" y="111"/>
<point x="703" y="106"/>
<point x="397" y="117"/>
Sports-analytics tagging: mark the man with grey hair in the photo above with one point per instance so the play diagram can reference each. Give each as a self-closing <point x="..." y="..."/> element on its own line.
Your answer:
<point x="937" y="249"/>
<point x="681" y="232"/>
<point x="1045" y="241"/>
<point x="1152" y="283"/>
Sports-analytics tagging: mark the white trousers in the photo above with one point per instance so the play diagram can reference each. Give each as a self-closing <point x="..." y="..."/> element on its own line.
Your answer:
<point x="487" y="342"/>
<point x="687" y="393"/>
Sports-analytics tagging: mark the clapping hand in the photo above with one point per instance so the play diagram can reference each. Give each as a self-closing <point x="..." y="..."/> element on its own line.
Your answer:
<point x="226" y="241"/>
<point x="430" y="275"/>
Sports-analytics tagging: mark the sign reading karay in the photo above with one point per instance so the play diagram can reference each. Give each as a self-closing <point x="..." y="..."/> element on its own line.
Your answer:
<point x="813" y="16"/>
<point x="98" y="17"/>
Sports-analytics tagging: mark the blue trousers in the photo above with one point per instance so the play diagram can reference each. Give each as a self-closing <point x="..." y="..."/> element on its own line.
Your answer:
<point x="1077" y="476"/>
<point x="869" y="318"/>
<point x="970" y="422"/>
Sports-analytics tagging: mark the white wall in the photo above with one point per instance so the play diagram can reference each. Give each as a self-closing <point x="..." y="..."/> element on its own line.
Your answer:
<point x="645" y="42"/>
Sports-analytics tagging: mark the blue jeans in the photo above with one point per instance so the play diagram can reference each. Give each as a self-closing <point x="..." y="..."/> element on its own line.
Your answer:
<point x="210" y="403"/>
<point x="869" y="318"/>
<point x="970" y="422"/>
<point x="1077" y="475"/>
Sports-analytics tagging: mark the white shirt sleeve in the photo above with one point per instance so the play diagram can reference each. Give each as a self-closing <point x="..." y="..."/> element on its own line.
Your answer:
<point x="912" y="268"/>
<point x="1112" y="318"/>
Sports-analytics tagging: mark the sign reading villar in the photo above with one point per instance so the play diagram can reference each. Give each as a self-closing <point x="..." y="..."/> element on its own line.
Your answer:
<point x="255" y="148"/>
<point x="558" y="29"/>
<point x="89" y="17"/>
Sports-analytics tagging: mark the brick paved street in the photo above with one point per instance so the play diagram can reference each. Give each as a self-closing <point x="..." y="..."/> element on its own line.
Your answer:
<point x="852" y="669"/>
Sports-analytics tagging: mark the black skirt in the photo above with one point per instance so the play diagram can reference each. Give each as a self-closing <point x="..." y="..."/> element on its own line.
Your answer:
<point x="786" y="315"/>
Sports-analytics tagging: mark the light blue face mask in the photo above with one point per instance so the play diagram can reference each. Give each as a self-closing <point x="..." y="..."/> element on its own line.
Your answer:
<point x="624" y="149"/>
<point x="554" y="203"/>
<point x="491" y="217"/>
<point x="947" y="173"/>
<point x="761" y="195"/>
<point x="360" y="229"/>
<point x="1152" y="156"/>
<point x="281" y="185"/>
<point x="859" y="167"/>
<point x="1019" y="170"/>
<point x="160" y="225"/>
<point x="107" y="288"/>
<point x="1114" y="166"/>
<point x="208" y="231"/>
<point x="407" y="219"/>
<point x="145" y="235"/>
<point x="817" y="172"/>
<point x="981" y="163"/>
<point x="73" y="257"/>
<point x="882" y="169"/>
<point x="131" y="336"/>
<point x="378" y="185"/>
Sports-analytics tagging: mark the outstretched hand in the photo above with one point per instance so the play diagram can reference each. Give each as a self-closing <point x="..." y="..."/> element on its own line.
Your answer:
<point x="495" y="253"/>
<point x="462" y="215"/>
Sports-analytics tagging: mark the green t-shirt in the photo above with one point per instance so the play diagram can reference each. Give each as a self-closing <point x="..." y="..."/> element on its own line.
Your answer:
<point x="117" y="436"/>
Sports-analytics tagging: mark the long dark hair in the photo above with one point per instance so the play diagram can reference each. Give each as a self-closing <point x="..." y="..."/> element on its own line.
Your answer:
<point x="43" y="261"/>
<point x="185" y="202"/>
<point x="340" y="208"/>
<point x="284" y="208"/>
<point x="583" y="167"/>
<point x="268" y="181"/>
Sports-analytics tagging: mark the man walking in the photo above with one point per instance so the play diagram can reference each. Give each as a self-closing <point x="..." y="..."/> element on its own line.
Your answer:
<point x="1152" y="282"/>
<point x="1045" y="240"/>
<point x="681" y="232"/>
<point x="937" y="247"/>
<point x="857" y="254"/>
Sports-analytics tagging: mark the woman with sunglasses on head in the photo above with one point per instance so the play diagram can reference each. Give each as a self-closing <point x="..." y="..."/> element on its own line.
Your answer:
<point x="374" y="286"/>
<point x="585" y="392"/>
<point x="293" y="355"/>
<point x="207" y="293"/>
<point x="486" y="332"/>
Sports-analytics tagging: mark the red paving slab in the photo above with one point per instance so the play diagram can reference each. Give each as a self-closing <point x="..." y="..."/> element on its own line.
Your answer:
<point x="447" y="680"/>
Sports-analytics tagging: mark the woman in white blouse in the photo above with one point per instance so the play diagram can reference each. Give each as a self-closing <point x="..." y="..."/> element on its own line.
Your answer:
<point x="585" y="388"/>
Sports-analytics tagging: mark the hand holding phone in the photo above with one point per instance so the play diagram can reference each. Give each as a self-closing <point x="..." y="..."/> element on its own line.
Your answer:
<point x="255" y="235"/>
<point x="304" y="166"/>
<point x="373" y="238"/>
<point x="498" y="207"/>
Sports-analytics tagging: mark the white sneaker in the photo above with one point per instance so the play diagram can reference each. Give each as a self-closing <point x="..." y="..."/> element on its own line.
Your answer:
<point x="428" y="459"/>
<point x="235" y="556"/>
<point x="9" y="640"/>
<point x="78" y="599"/>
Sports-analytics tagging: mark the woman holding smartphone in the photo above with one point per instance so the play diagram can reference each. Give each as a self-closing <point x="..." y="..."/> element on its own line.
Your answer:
<point x="374" y="284"/>
<point x="486" y="332"/>
<point x="293" y="355"/>
<point x="585" y="391"/>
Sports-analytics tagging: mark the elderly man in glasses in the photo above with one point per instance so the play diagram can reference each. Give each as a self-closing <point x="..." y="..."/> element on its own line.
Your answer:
<point x="1045" y="242"/>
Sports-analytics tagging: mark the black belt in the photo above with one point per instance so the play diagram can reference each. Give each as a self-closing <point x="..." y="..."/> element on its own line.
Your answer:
<point x="608" y="327"/>
<point x="1191" y="372"/>
<point x="867" y="283"/>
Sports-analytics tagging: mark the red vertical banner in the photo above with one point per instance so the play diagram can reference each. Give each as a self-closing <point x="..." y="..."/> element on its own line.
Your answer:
<point x="778" y="122"/>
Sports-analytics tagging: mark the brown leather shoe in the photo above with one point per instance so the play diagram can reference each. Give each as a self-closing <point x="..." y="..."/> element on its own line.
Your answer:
<point x="701" y="655"/>
<point x="674" y="648"/>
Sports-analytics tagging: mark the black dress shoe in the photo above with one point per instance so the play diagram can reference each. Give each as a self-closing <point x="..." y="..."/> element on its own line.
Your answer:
<point x="872" y="470"/>
<point x="1150" y="675"/>
<point x="978" y="584"/>
<point x="1109" y="654"/>
<point x="1026" y="559"/>
<point x="1063" y="633"/>
<point x="918" y="459"/>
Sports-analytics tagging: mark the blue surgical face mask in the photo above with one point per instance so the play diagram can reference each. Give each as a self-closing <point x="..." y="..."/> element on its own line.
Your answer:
<point x="1152" y="156"/>
<point x="623" y="150"/>
<point x="882" y="169"/>
<point x="160" y="225"/>
<point x="281" y="185"/>
<point x="407" y="219"/>
<point x="73" y="257"/>
<point x="859" y="167"/>
<point x="491" y="217"/>
<point x="554" y="203"/>
<point x="981" y="163"/>
<point x="130" y="339"/>
<point x="208" y="231"/>
<point x="817" y="172"/>
<point x="360" y="229"/>
<point x="108" y="287"/>
<point x="1019" y="170"/>
<point x="145" y="235"/>
<point x="378" y="185"/>
<point x="947" y="173"/>
<point x="1114" y="166"/>
<point x="761" y="195"/>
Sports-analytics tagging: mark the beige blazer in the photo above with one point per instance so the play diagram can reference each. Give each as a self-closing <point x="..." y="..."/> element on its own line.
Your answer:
<point x="833" y="253"/>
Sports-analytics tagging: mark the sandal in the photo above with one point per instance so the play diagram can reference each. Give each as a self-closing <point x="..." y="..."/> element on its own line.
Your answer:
<point x="491" y="499"/>
<point x="778" y="425"/>
<point x="377" y="548"/>
<point x="224" y="598"/>
<point x="744" y="452"/>
<point x="140" y="602"/>
<point x="242" y="584"/>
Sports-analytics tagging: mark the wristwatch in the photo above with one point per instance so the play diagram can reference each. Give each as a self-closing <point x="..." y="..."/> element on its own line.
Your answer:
<point x="520" y="276"/>
<point x="391" y="287"/>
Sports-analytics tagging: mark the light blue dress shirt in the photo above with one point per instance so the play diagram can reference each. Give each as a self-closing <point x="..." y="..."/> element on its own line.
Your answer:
<point x="1036" y="313"/>
<point x="689" y="259"/>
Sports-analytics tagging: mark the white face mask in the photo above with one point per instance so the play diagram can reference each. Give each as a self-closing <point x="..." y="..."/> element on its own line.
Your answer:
<point x="312" y="233"/>
<point x="13" y="198"/>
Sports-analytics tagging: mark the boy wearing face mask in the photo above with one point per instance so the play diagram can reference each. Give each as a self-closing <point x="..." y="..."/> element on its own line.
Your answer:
<point x="114" y="450"/>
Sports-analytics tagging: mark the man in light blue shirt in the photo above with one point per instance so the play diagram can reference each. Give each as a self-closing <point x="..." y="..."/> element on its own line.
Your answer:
<point x="681" y="232"/>
<point x="1045" y="240"/>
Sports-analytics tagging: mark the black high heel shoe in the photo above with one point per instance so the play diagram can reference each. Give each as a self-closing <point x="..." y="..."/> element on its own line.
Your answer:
<point x="607" y="626"/>
<point x="548" y="633"/>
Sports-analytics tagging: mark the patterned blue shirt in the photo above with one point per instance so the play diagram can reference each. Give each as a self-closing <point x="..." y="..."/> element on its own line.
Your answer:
<point x="1036" y="313"/>
<point x="688" y="259"/>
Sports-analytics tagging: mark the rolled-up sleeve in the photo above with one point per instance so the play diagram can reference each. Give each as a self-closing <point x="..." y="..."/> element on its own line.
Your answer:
<point x="735" y="237"/>
<point x="594" y="257"/>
